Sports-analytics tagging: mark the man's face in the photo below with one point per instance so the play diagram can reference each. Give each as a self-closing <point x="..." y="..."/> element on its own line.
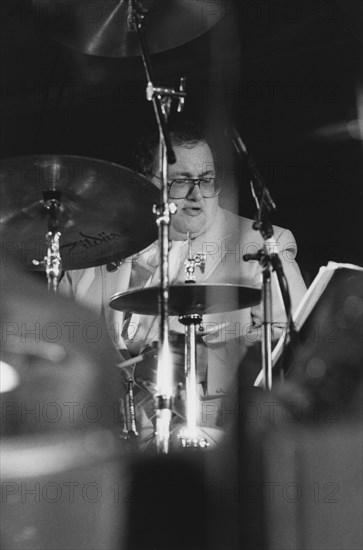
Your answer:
<point x="195" y="213"/>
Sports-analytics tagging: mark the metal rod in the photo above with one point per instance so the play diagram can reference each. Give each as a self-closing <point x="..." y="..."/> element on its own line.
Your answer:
<point x="164" y="371"/>
<point x="163" y="395"/>
<point x="267" y="329"/>
<point x="189" y="436"/>
<point x="191" y="381"/>
<point x="150" y="79"/>
<point x="131" y="401"/>
<point x="53" y="262"/>
<point x="161" y="98"/>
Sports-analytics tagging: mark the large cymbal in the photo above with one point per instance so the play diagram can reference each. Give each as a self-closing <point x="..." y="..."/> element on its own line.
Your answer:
<point x="188" y="298"/>
<point x="103" y="27"/>
<point x="106" y="209"/>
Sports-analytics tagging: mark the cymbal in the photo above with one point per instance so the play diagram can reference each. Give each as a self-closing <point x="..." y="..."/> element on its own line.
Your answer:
<point x="104" y="27"/>
<point x="102" y="205"/>
<point x="186" y="299"/>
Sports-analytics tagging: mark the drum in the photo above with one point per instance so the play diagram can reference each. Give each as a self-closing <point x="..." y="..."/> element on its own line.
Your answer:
<point x="139" y="388"/>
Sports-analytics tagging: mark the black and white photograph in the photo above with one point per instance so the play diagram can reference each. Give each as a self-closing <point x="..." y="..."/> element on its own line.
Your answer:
<point x="181" y="294"/>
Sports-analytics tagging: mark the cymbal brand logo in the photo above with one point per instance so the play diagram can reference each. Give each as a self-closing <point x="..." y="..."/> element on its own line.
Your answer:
<point x="92" y="240"/>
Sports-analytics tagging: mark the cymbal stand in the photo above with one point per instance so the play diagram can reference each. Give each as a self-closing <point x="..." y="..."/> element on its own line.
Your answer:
<point x="162" y="99"/>
<point x="189" y="435"/>
<point x="52" y="261"/>
<point x="268" y="258"/>
<point x="264" y="257"/>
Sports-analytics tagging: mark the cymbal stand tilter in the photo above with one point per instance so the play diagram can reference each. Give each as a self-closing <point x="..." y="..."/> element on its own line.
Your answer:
<point x="162" y="99"/>
<point x="189" y="435"/>
<point x="52" y="261"/>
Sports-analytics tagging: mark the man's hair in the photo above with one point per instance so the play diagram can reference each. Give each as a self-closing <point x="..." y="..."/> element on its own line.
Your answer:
<point x="183" y="132"/>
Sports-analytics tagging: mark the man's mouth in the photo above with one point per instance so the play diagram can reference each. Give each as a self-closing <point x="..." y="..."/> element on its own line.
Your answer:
<point x="192" y="210"/>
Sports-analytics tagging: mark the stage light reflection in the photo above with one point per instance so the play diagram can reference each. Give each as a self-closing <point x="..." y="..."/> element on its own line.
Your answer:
<point x="9" y="378"/>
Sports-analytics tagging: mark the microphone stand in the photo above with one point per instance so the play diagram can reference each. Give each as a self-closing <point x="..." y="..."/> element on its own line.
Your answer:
<point x="267" y="257"/>
<point x="162" y="99"/>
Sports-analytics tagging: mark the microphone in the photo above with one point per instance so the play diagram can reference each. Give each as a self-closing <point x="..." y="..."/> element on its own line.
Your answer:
<point x="259" y="186"/>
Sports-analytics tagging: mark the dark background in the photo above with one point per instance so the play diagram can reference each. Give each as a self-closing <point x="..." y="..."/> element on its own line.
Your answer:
<point x="286" y="73"/>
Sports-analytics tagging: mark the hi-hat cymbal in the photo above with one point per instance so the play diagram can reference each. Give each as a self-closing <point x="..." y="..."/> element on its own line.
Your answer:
<point x="186" y="299"/>
<point x="104" y="27"/>
<point x="105" y="213"/>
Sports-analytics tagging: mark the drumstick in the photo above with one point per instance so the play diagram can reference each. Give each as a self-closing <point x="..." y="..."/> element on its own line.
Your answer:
<point x="153" y="353"/>
<point x="137" y="359"/>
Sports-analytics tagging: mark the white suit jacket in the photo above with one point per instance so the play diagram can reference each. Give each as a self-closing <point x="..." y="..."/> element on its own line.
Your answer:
<point x="224" y="244"/>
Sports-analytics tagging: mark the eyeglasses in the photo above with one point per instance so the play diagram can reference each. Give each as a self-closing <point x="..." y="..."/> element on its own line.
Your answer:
<point x="181" y="188"/>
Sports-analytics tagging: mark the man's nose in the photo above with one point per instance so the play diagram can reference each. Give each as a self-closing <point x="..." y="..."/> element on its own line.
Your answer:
<point x="195" y="193"/>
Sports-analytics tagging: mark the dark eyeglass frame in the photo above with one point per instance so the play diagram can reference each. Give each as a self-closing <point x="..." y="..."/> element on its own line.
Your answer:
<point x="192" y="182"/>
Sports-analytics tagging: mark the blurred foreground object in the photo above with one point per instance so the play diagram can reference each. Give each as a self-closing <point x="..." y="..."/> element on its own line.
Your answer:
<point x="297" y="481"/>
<point x="315" y="450"/>
<point x="60" y="455"/>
